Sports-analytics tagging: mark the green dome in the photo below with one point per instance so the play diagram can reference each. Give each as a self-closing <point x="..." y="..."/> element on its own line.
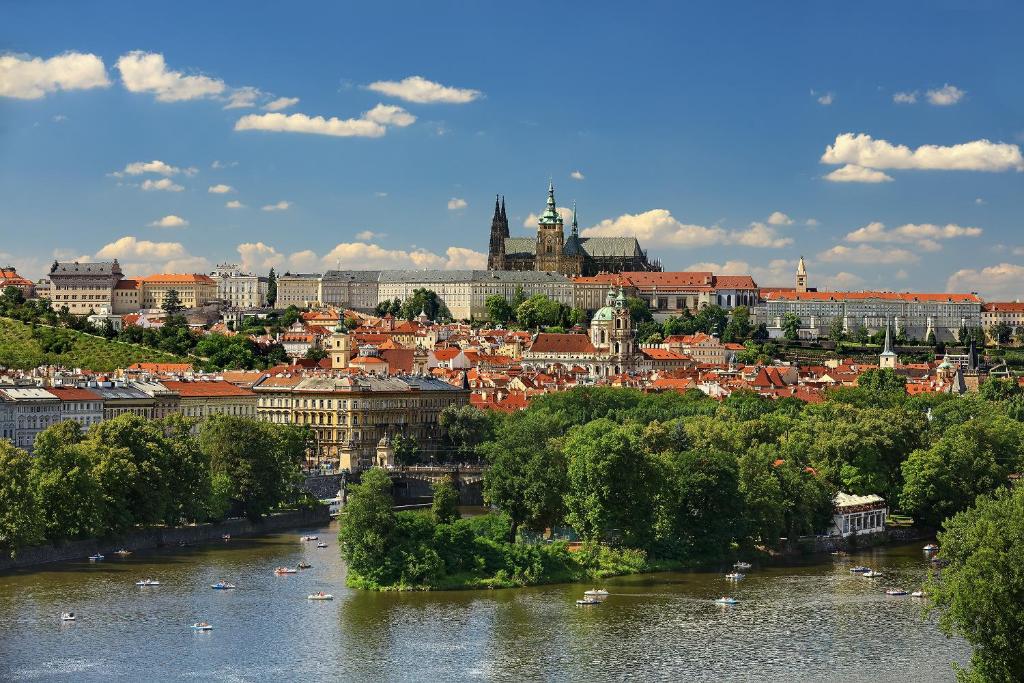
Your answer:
<point x="606" y="313"/>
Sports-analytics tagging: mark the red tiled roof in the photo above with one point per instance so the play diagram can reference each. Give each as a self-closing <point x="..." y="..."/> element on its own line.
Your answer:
<point x="178" y="277"/>
<point x="663" y="354"/>
<point x="74" y="394"/>
<point x="551" y="342"/>
<point x="447" y="353"/>
<point x="677" y="278"/>
<point x="128" y="284"/>
<point x="735" y="282"/>
<point x="1003" y="307"/>
<point x="399" y="360"/>
<point x="208" y="389"/>
<point x="161" y="367"/>
<point x="10" y="278"/>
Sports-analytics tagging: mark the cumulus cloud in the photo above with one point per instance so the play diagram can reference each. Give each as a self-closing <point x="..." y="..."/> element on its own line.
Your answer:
<point x="945" y="96"/>
<point x="577" y="175"/>
<point x="777" y="271"/>
<point x="905" y="97"/>
<point x="978" y="155"/>
<point x="372" y="124"/>
<point x="659" y="226"/>
<point x="279" y="206"/>
<point x="144" y="256"/>
<point x="421" y="91"/>
<point x="156" y="167"/>
<point x="812" y="223"/>
<point x="1004" y="281"/>
<point x="367" y="235"/>
<point x="244" y="97"/>
<point x="826" y="99"/>
<point x="979" y="201"/>
<point x="235" y="204"/>
<point x="147" y="72"/>
<point x="223" y="164"/>
<point x="841" y="280"/>
<point x="852" y="173"/>
<point x="220" y="188"/>
<point x="779" y="218"/>
<point x="925" y="235"/>
<point x="390" y="115"/>
<point x="456" y="203"/>
<point x="865" y="253"/>
<point x="169" y="221"/>
<point x="164" y="184"/>
<point x="260" y="256"/>
<point x="29" y="78"/>
<point x="281" y="103"/>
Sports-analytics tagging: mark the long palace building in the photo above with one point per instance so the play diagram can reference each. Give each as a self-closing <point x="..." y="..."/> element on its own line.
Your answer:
<point x="552" y="251"/>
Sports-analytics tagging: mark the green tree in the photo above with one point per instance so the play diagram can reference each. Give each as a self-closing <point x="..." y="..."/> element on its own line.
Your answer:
<point x="367" y="526"/>
<point x="639" y="312"/>
<point x="271" y="288"/>
<point x="613" y="483"/>
<point x="979" y="591"/>
<point x="466" y="428"/>
<point x="526" y="475"/>
<point x="760" y="334"/>
<point x="315" y="353"/>
<point x="1001" y="333"/>
<point x="188" y="472"/>
<point x="836" y="330"/>
<point x="740" y="319"/>
<point x="998" y="389"/>
<point x="424" y="300"/>
<point x="407" y="450"/>
<point x="445" y="504"/>
<point x="498" y="309"/>
<point x="791" y="326"/>
<point x="66" y="493"/>
<point x="21" y="523"/>
<point x="702" y="504"/>
<point x="930" y="340"/>
<point x="761" y="492"/>
<point x="518" y="298"/>
<point x="882" y="380"/>
<point x="711" y="320"/>
<point x="538" y="311"/>
<point x="172" y="303"/>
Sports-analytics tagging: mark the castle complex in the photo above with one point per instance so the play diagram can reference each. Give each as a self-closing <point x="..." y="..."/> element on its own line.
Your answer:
<point x="552" y="252"/>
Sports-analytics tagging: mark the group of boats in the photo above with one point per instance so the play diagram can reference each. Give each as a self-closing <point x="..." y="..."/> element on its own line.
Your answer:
<point x="319" y="544"/>
<point x="737" y="574"/>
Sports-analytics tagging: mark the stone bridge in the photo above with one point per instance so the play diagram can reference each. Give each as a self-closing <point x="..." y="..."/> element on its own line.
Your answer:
<point x="414" y="483"/>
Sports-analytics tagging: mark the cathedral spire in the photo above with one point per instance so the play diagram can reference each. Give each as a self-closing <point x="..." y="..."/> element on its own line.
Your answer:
<point x="551" y="216"/>
<point x="575" y="226"/>
<point x="504" y="216"/>
<point x="497" y="209"/>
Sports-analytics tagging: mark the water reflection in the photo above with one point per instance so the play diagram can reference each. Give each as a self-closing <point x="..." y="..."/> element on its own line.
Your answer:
<point x="807" y="621"/>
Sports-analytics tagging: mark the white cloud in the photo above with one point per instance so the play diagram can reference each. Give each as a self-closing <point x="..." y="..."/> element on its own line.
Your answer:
<point x="925" y="235"/>
<point x="144" y="257"/>
<point x="946" y="95"/>
<point x="244" y="97"/>
<point x="156" y="166"/>
<point x="531" y="219"/>
<point x="281" y="103"/>
<point x="577" y="175"/>
<point x="390" y="115"/>
<point x="164" y="184"/>
<point x="852" y="173"/>
<point x="367" y="235"/>
<point x="279" y="206"/>
<point x="812" y="223"/>
<point x="779" y="218"/>
<point x="777" y="272"/>
<point x="380" y="194"/>
<point x="148" y="72"/>
<point x="865" y="253"/>
<point x="979" y="201"/>
<point x="220" y="188"/>
<point x="29" y="78"/>
<point x="261" y="257"/>
<point x="223" y="164"/>
<point x="977" y="155"/>
<point x="314" y="125"/>
<point x="421" y="91"/>
<point x="826" y="99"/>
<point x="905" y="97"/>
<point x="456" y="203"/>
<point x="841" y="280"/>
<point x="169" y="221"/>
<point x="659" y="226"/>
<point x="59" y="118"/>
<point x="1004" y="281"/>
<point x="235" y="204"/>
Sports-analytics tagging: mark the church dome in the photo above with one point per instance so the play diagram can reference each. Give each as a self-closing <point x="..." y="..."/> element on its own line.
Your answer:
<point x="605" y="313"/>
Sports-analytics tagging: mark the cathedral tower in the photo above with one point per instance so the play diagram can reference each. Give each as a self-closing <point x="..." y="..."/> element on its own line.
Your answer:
<point x="499" y="231"/>
<point x="550" y="235"/>
<point x="801" y="276"/>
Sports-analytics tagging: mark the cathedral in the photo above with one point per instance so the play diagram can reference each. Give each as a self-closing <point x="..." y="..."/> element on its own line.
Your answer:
<point x="551" y="250"/>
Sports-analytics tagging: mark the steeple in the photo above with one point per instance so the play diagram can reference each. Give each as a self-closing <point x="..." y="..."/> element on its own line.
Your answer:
<point x="575" y="227"/>
<point x="887" y="359"/>
<point x="801" y="276"/>
<point x="504" y="216"/>
<point x="499" y="231"/>
<point x="550" y="216"/>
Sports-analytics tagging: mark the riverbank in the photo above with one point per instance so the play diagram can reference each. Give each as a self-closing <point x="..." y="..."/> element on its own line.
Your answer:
<point x="160" y="537"/>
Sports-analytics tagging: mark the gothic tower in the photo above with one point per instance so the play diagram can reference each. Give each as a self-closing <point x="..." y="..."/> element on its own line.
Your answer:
<point x="499" y="231"/>
<point x="550" y="235"/>
<point x="801" y="276"/>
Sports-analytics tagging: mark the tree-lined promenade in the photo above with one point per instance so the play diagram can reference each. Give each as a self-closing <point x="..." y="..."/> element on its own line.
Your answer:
<point x="129" y="472"/>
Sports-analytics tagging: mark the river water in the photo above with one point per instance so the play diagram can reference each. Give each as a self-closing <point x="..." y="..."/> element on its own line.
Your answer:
<point x="808" y="622"/>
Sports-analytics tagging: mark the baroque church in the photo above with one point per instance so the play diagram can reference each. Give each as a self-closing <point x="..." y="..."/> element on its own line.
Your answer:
<point x="551" y="251"/>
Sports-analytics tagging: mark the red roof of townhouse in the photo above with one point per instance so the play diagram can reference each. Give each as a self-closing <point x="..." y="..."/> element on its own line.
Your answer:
<point x="10" y="278"/>
<point x="768" y="378"/>
<point x="212" y="389"/>
<point x="663" y="354"/>
<point x="242" y="378"/>
<point x="448" y="353"/>
<point x="128" y="284"/>
<point x="399" y="360"/>
<point x="552" y="342"/>
<point x="909" y="297"/>
<point x="74" y="394"/>
<point x="670" y="279"/>
<point x="168" y="278"/>
<point x="735" y="282"/>
<point x="1004" y="307"/>
<point x="161" y="367"/>
<point x="689" y="339"/>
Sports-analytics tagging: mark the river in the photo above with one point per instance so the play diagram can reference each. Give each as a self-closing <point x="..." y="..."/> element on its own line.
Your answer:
<point x="813" y="621"/>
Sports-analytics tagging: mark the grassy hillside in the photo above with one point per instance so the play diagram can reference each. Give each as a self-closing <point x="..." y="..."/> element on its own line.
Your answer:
<point x="23" y="347"/>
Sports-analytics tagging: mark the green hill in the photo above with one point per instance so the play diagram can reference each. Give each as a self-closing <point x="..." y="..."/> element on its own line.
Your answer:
<point x="23" y="347"/>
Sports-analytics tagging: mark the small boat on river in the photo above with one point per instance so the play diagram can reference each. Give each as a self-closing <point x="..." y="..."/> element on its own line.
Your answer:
<point x="96" y="558"/>
<point x="225" y="537"/>
<point x="303" y="565"/>
<point x="735" y="576"/>
<point x="587" y="601"/>
<point x="743" y="565"/>
<point x="202" y="626"/>
<point x="222" y="586"/>
<point x="321" y="544"/>
<point x="285" y="570"/>
<point x="871" y="574"/>
<point x="931" y="548"/>
<point x="919" y="594"/>
<point x="310" y="538"/>
<point x="67" y="616"/>
<point x="123" y="552"/>
<point x="895" y="591"/>
<point x="147" y="582"/>
<point x="596" y="592"/>
<point x="859" y="569"/>
<point x="320" y="596"/>
<point x="726" y="600"/>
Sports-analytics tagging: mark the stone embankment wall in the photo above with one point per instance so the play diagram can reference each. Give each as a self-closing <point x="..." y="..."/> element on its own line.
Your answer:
<point x="147" y="539"/>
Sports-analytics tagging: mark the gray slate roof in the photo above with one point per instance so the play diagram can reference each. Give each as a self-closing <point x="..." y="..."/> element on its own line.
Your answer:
<point x="352" y="275"/>
<point x="442" y="276"/>
<point x="595" y="247"/>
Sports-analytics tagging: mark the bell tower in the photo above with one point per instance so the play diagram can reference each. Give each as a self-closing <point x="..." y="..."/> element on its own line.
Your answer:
<point x="499" y="231"/>
<point x="340" y="347"/>
<point x="801" y="276"/>
<point x="550" y="235"/>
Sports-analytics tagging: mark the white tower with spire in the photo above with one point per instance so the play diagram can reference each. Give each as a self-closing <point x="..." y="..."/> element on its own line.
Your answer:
<point x="887" y="359"/>
<point x="801" y="276"/>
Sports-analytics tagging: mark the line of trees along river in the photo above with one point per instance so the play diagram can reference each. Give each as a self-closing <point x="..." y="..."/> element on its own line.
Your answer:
<point x="129" y="472"/>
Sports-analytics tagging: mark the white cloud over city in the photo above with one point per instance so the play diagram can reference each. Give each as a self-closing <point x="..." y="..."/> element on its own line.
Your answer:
<point x="156" y="167"/>
<point x="162" y="185"/>
<point x="147" y="72"/>
<point x="372" y="124"/>
<point x="25" y="77"/>
<point x="867" y="254"/>
<point x="978" y="155"/>
<point x="277" y="206"/>
<point x="660" y="227"/>
<point x="169" y="221"/>
<point x="926" y="236"/>
<point x="145" y="256"/>
<point x="259" y="256"/>
<point x="421" y="91"/>
<point x="1003" y="281"/>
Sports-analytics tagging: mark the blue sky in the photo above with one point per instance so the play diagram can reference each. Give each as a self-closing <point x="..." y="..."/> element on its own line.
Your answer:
<point x="880" y="140"/>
